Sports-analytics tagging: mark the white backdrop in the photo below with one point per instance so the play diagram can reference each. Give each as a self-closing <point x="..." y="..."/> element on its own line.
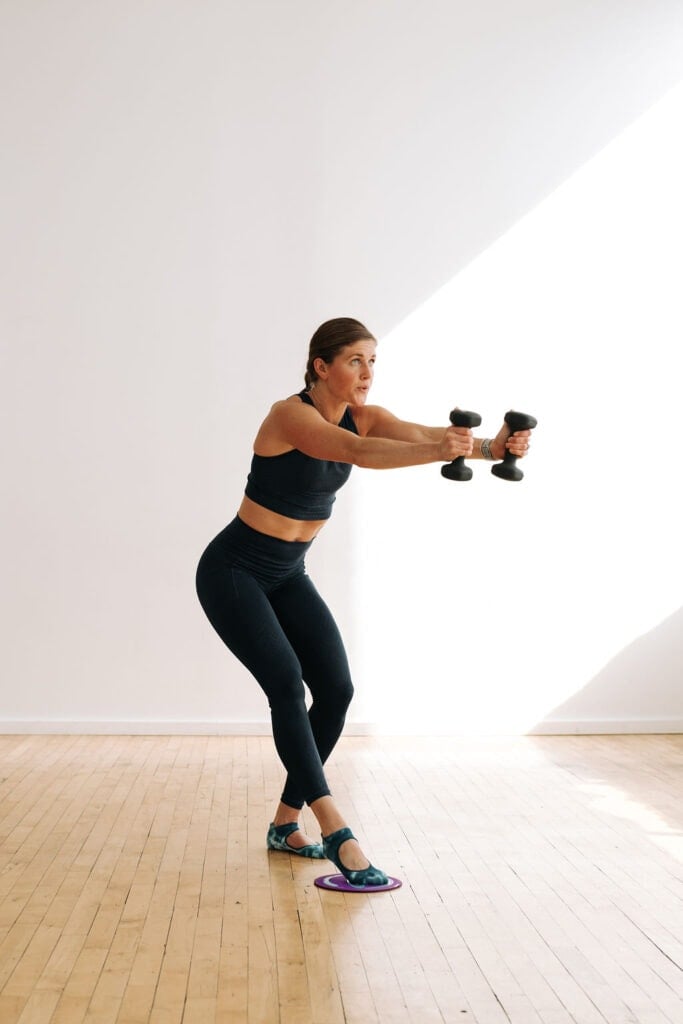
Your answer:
<point x="188" y="190"/>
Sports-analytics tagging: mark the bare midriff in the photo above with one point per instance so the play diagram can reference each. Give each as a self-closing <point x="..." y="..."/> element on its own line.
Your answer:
<point x="275" y="525"/>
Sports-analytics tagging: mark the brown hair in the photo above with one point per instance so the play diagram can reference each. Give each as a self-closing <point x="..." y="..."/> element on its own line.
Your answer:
<point x="330" y="338"/>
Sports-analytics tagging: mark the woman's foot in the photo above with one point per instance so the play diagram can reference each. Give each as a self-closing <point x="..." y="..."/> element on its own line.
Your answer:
<point x="286" y="815"/>
<point x="341" y="847"/>
<point x="289" y="838"/>
<point x="350" y="853"/>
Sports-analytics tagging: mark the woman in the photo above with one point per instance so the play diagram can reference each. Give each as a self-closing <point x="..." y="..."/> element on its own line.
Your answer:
<point x="252" y="582"/>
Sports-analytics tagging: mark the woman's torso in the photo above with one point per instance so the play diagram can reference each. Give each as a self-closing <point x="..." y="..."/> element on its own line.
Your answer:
<point x="273" y="523"/>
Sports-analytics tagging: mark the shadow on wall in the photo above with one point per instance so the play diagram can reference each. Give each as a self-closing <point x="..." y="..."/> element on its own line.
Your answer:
<point x="644" y="677"/>
<point x="454" y="125"/>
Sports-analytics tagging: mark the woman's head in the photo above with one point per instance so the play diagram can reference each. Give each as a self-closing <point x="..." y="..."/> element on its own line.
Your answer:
<point x="329" y="340"/>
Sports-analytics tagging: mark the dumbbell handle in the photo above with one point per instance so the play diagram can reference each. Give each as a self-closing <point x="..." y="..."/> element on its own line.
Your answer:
<point x="508" y="468"/>
<point x="457" y="470"/>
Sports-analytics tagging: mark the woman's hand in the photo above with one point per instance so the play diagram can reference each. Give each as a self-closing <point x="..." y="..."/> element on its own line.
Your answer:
<point x="517" y="443"/>
<point x="455" y="442"/>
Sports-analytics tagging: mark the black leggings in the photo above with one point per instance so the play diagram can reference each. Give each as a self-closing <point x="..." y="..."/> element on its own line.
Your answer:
<point x="257" y="596"/>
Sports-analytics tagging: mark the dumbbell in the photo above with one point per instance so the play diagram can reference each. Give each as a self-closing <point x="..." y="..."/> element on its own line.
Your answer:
<point x="457" y="470"/>
<point x="508" y="469"/>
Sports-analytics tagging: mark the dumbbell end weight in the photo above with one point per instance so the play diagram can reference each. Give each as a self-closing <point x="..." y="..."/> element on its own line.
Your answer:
<point x="457" y="470"/>
<point x="508" y="468"/>
<point x="505" y="470"/>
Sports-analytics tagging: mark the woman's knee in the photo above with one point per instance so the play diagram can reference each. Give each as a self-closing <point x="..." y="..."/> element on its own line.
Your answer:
<point x="285" y="691"/>
<point x="335" y="694"/>
<point x="345" y="692"/>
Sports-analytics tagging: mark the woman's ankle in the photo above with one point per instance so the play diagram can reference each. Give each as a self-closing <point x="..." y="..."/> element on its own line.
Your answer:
<point x="285" y="815"/>
<point x="329" y="818"/>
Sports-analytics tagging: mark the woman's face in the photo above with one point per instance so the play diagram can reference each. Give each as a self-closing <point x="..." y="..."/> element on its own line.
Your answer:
<point x="349" y="376"/>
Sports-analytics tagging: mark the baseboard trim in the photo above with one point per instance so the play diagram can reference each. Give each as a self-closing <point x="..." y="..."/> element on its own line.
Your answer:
<point x="607" y="727"/>
<point x="564" y="727"/>
<point x="135" y="728"/>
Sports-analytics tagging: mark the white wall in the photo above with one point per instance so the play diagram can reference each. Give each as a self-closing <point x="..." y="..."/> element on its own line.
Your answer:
<point x="188" y="190"/>
<point x="554" y="603"/>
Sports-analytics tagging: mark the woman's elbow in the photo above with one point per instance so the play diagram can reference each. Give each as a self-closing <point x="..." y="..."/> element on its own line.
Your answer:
<point x="354" y="452"/>
<point x="358" y="455"/>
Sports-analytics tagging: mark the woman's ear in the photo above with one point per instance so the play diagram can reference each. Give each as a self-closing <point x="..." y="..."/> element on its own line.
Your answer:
<point x="320" y="367"/>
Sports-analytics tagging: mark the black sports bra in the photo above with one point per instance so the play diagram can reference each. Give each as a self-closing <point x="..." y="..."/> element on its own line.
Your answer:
<point x="297" y="485"/>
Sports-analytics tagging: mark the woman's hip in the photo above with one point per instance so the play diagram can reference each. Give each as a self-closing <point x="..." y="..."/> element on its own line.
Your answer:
<point x="269" y="560"/>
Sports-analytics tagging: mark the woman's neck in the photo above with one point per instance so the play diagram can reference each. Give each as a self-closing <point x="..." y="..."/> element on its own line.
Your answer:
<point x="329" y="407"/>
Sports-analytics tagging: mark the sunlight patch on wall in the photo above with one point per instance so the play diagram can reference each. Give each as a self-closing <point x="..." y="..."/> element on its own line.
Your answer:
<point x="482" y="606"/>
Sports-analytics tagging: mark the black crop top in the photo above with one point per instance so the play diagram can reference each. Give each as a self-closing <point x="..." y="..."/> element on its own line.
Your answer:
<point x="297" y="485"/>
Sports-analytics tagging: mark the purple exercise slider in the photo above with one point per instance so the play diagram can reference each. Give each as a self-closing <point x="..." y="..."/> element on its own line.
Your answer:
<point x="339" y="884"/>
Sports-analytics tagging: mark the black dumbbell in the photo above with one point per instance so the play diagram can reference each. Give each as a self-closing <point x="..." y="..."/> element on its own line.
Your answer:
<point x="457" y="470"/>
<point x="508" y="469"/>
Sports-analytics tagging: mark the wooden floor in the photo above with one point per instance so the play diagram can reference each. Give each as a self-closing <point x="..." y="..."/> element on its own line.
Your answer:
<point x="542" y="883"/>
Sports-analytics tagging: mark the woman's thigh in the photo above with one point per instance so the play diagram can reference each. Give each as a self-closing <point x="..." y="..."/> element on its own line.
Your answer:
<point x="313" y="634"/>
<point x="245" y="620"/>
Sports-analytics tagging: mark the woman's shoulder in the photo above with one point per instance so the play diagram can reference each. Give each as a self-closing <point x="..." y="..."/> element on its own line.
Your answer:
<point x="281" y="420"/>
<point x="366" y="416"/>
<point x="281" y="410"/>
<point x="290" y="402"/>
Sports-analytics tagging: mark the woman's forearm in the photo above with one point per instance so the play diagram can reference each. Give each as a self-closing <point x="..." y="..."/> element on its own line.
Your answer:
<point x="384" y="453"/>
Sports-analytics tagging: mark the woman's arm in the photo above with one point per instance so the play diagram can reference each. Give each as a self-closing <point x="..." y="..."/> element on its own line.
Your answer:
<point x="375" y="421"/>
<point x="298" y="425"/>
